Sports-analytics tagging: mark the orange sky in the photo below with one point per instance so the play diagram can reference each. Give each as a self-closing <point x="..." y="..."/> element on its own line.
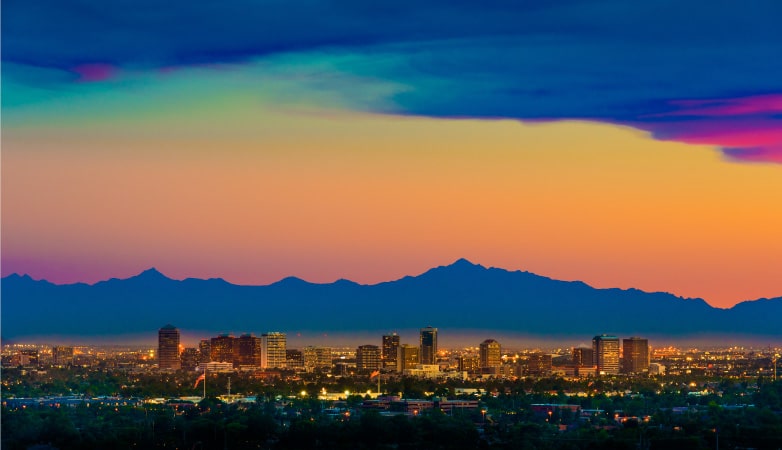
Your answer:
<point x="325" y="195"/>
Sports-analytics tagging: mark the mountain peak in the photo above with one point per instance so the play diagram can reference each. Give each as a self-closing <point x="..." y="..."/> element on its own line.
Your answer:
<point x="464" y="262"/>
<point x="151" y="274"/>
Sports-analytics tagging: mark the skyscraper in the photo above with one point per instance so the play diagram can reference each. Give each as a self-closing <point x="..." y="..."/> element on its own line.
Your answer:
<point x="204" y="351"/>
<point x="390" y="350"/>
<point x="428" y="345"/>
<point x="635" y="355"/>
<point x="606" y="354"/>
<point x="490" y="352"/>
<point x="221" y="348"/>
<point x="368" y="357"/>
<point x="273" y="350"/>
<point x="407" y="357"/>
<point x="249" y="352"/>
<point x="583" y="356"/>
<point x="168" y="348"/>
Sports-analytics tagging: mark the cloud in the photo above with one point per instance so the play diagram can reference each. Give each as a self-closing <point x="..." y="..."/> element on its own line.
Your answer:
<point x="664" y="67"/>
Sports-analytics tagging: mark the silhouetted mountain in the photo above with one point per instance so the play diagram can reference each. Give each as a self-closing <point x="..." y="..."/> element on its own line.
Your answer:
<point x="461" y="296"/>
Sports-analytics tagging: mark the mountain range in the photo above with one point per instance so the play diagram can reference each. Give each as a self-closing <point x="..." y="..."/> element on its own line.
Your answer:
<point x="460" y="296"/>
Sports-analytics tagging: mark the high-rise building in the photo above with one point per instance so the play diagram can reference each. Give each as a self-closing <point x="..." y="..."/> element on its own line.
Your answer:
<point x="539" y="364"/>
<point x="368" y="357"/>
<point x="583" y="356"/>
<point x="273" y="350"/>
<point x="635" y="355"/>
<point x="317" y="358"/>
<point x="490" y="352"/>
<point x="428" y="346"/>
<point x="189" y="358"/>
<point x="204" y="351"/>
<point x="407" y="357"/>
<point x="390" y="350"/>
<point x="469" y="363"/>
<point x="221" y="348"/>
<point x="605" y="350"/>
<point x="62" y="356"/>
<point x="168" y="348"/>
<point x="249" y="352"/>
<point x="294" y="359"/>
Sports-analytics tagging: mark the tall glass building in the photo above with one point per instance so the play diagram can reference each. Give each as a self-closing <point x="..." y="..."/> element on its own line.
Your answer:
<point x="605" y="350"/>
<point x="428" y="347"/>
<point x="168" y="348"/>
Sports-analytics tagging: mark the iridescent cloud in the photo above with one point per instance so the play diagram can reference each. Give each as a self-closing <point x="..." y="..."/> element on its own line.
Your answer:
<point x="657" y="66"/>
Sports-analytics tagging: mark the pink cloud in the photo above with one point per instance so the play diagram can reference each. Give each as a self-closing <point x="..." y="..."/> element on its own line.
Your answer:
<point x="741" y="106"/>
<point x="89" y="73"/>
<point x="746" y="128"/>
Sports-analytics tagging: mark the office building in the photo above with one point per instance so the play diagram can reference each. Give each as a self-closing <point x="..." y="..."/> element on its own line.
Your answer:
<point x="317" y="358"/>
<point x="635" y="355"/>
<point x="294" y="359"/>
<point x="428" y="346"/>
<point x="469" y="363"/>
<point x="221" y="348"/>
<point x="368" y="357"/>
<point x="204" y="351"/>
<point x="605" y="350"/>
<point x="408" y="357"/>
<point x="583" y="357"/>
<point x="273" y="350"/>
<point x="168" y="348"/>
<point x="189" y="358"/>
<point x="390" y="350"/>
<point x="62" y="356"/>
<point x="490" y="353"/>
<point x="248" y="355"/>
<point x="539" y="364"/>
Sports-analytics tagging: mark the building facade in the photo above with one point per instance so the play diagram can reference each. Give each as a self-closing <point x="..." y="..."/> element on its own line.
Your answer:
<point x="273" y="350"/>
<point x="368" y="357"/>
<point x="221" y="348"/>
<point x="539" y="364"/>
<point x="490" y="352"/>
<point x="407" y="357"/>
<point x="204" y="351"/>
<point x="605" y="350"/>
<point x="635" y="355"/>
<point x="390" y="350"/>
<point x="62" y="356"/>
<point x="249" y="352"/>
<point x="168" y="348"/>
<point x="428" y="346"/>
<point x="469" y="363"/>
<point x="583" y="357"/>
<point x="189" y="358"/>
<point x="294" y="359"/>
<point x="317" y="358"/>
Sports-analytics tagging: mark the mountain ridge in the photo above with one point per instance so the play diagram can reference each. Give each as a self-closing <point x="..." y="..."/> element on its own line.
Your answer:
<point x="462" y="295"/>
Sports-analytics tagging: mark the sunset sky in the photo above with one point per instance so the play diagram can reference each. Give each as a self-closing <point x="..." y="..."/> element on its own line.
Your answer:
<point x="620" y="144"/>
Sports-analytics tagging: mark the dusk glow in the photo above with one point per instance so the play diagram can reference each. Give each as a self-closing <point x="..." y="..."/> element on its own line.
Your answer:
<point x="628" y="154"/>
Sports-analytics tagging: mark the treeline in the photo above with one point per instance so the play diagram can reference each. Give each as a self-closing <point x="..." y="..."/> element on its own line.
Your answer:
<point x="504" y="421"/>
<point x="213" y="425"/>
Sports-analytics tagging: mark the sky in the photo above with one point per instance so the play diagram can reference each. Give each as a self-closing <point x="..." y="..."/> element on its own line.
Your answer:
<point x="625" y="144"/>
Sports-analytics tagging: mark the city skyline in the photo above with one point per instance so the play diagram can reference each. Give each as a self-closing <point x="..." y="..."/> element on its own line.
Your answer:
<point x="623" y="145"/>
